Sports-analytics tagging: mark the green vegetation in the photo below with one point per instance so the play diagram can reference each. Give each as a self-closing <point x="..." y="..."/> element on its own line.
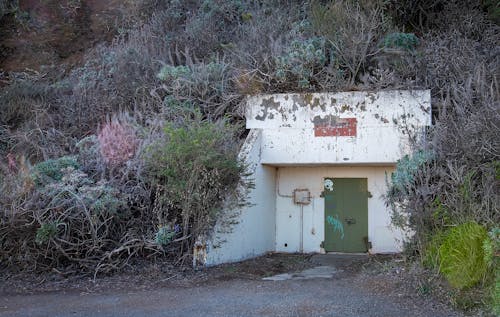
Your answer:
<point x="116" y="187"/>
<point x="169" y="72"/>
<point x="430" y="257"/>
<point x="406" y="169"/>
<point x="406" y="41"/>
<point x="196" y="164"/>
<point x="495" y="294"/>
<point x="46" y="232"/>
<point x="164" y="236"/>
<point x="461" y="255"/>
<point x="52" y="170"/>
<point x="302" y="60"/>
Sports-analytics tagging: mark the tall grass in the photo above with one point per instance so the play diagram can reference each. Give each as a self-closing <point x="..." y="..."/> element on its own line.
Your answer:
<point x="461" y="255"/>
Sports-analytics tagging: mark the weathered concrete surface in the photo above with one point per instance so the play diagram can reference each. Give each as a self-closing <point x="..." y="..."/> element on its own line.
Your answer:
<point x="339" y="260"/>
<point x="254" y="234"/>
<point x="338" y="128"/>
<point x="316" y="297"/>
<point x="315" y="272"/>
<point x="298" y="140"/>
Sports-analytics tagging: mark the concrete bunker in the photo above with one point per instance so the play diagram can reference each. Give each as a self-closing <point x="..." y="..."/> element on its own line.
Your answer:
<point x="320" y="164"/>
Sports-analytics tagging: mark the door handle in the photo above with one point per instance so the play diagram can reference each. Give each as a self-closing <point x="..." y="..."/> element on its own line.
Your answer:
<point x="350" y="221"/>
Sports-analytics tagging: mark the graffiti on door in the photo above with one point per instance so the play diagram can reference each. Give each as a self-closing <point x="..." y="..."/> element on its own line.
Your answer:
<point x="336" y="224"/>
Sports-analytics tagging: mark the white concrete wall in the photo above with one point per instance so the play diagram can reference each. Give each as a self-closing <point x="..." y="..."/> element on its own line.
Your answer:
<point x="255" y="232"/>
<point x="383" y="120"/>
<point x="383" y="236"/>
<point x="282" y="135"/>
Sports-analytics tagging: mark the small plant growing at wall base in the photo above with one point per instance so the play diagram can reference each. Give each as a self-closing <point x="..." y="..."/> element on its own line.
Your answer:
<point x="164" y="236"/>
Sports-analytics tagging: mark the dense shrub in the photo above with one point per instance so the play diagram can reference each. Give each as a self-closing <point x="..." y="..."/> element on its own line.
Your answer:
<point x="52" y="170"/>
<point x="404" y="175"/>
<point x="25" y="117"/>
<point x="467" y="256"/>
<point x="195" y="165"/>
<point x="302" y="61"/>
<point x="164" y="236"/>
<point x="265" y="35"/>
<point x="117" y="141"/>
<point x="495" y="301"/>
<point x="72" y="222"/>
<point x="46" y="232"/>
<point x="493" y="10"/>
<point x="414" y="14"/>
<point x="89" y="156"/>
<point x="405" y="41"/>
<point x="459" y="183"/>
<point x="352" y="29"/>
<point x="430" y="256"/>
<point x="85" y="212"/>
<point x="204" y="84"/>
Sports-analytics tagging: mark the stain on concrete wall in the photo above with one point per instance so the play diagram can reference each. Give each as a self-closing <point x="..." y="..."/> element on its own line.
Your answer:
<point x="330" y="126"/>
<point x="268" y="108"/>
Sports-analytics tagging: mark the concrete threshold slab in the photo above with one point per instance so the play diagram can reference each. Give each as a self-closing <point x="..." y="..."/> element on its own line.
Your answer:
<point x="316" y="272"/>
<point x="338" y="259"/>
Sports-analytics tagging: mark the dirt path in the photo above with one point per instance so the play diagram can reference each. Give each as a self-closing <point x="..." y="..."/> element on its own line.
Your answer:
<point x="346" y="293"/>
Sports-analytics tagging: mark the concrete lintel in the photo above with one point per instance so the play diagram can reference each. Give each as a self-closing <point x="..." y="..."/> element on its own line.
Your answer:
<point x="363" y="164"/>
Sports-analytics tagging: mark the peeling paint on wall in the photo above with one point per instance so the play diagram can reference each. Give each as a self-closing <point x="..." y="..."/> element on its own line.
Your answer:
<point x="267" y="106"/>
<point x="339" y="127"/>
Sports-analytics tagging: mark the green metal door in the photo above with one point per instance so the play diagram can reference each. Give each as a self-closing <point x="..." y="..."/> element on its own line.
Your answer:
<point x="346" y="214"/>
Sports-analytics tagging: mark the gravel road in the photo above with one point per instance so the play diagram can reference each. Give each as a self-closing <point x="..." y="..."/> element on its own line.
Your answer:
<point x="330" y="291"/>
<point x="313" y="297"/>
